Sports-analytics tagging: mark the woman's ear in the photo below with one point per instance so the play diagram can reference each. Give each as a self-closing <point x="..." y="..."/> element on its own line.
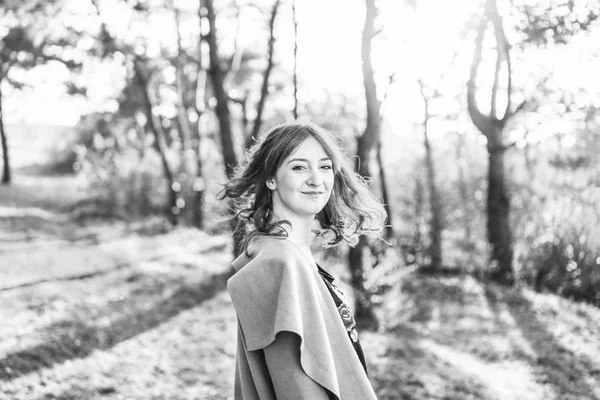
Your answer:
<point x="271" y="184"/>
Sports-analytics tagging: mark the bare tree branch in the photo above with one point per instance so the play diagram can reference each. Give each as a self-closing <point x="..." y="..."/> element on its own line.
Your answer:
<point x="243" y="102"/>
<point x="377" y="32"/>
<point x="15" y="84"/>
<point x="391" y="80"/>
<point x="264" y="92"/>
<point x="370" y="136"/>
<point x="502" y="147"/>
<point x="503" y="54"/>
<point x="479" y="119"/>
<point x="222" y="105"/>
<point x="180" y="86"/>
<point x="494" y="94"/>
<point x="235" y="61"/>
<point x="295" y="78"/>
<point x="143" y="79"/>
<point x="519" y="107"/>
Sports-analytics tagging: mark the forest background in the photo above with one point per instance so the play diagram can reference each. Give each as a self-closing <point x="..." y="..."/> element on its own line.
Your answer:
<point x="476" y="124"/>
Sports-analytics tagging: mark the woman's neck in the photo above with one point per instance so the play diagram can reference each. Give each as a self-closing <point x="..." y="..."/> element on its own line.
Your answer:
<point x="300" y="231"/>
<point x="301" y="236"/>
<point x="302" y="239"/>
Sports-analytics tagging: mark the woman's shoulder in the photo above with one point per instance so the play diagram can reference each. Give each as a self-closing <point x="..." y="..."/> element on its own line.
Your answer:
<point x="266" y="247"/>
<point x="268" y="255"/>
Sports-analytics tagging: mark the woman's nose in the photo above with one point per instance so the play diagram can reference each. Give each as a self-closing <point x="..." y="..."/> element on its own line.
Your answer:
<point x="315" y="178"/>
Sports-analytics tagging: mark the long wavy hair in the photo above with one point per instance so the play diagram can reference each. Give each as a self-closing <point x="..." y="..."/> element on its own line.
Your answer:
<point x="352" y="209"/>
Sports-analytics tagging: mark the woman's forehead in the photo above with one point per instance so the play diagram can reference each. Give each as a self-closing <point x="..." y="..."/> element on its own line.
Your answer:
<point x="310" y="148"/>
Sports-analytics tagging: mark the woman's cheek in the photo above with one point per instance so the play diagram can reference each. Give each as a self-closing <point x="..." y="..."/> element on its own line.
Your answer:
<point x="330" y="178"/>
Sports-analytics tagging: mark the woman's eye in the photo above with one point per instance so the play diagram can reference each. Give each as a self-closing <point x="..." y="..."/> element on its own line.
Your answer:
<point x="298" y="168"/>
<point x="326" y="166"/>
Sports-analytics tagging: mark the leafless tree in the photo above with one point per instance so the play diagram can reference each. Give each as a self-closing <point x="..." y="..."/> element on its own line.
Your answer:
<point x="492" y="127"/>
<point x="365" y="146"/>
<point x="143" y="75"/>
<point x="217" y="75"/>
<point x="264" y="90"/>
<point x="295" y="77"/>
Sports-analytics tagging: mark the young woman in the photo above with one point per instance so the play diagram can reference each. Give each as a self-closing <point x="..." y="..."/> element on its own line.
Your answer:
<point x="296" y="337"/>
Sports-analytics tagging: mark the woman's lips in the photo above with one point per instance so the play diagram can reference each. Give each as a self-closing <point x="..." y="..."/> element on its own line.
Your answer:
<point x="314" y="194"/>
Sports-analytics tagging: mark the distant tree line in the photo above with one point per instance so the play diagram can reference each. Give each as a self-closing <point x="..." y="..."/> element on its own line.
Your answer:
<point x="222" y="97"/>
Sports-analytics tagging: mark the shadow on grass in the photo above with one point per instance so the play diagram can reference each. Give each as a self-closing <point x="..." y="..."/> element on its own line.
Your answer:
<point x="424" y="355"/>
<point x="77" y="338"/>
<point x="411" y="369"/>
<point x="559" y="368"/>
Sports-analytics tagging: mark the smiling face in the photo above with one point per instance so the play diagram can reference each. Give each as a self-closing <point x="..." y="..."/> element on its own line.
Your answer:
<point x="302" y="184"/>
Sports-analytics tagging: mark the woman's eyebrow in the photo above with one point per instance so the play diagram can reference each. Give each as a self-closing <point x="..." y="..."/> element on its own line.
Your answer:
<point x="305" y="160"/>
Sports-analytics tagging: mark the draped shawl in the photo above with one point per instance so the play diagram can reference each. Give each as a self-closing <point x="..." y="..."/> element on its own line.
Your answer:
<point x="276" y="288"/>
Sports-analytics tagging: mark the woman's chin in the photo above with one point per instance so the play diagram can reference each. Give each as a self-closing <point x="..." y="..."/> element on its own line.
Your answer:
<point x="310" y="211"/>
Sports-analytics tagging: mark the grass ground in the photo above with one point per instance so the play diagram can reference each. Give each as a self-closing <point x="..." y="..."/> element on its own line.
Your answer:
<point x="151" y="319"/>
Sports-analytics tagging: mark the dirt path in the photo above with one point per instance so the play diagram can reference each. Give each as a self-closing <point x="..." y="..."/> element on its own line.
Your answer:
<point x="146" y="330"/>
<point x="164" y="328"/>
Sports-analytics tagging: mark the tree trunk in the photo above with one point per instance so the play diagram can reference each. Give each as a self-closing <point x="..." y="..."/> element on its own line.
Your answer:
<point x="143" y="179"/>
<point x="435" y="224"/>
<point x="358" y="255"/>
<point x="498" y="226"/>
<point x="181" y="84"/>
<point x="199" y="83"/>
<point x="199" y="185"/>
<point x="417" y="238"/>
<point x="462" y="188"/>
<point x="6" y="172"/>
<point x="217" y="76"/>
<point x="295" y="76"/>
<point x="199" y="188"/>
<point x="223" y="114"/>
<point x="264" y="91"/>
<point x="385" y="196"/>
<point x="492" y="126"/>
<point x="159" y="141"/>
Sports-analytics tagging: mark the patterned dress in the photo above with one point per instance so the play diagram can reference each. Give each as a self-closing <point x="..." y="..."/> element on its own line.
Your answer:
<point x="345" y="314"/>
